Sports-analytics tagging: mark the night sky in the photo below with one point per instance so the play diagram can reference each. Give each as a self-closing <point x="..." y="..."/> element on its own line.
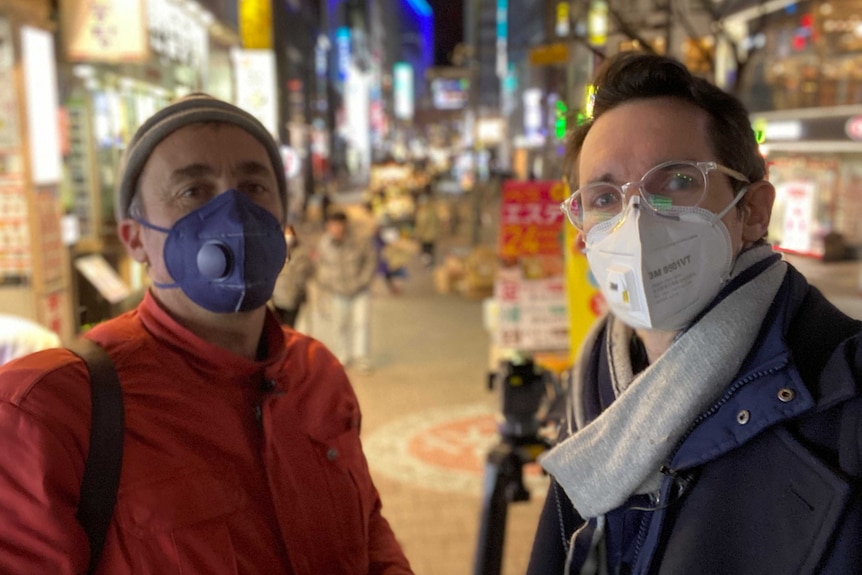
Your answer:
<point x="448" y="32"/>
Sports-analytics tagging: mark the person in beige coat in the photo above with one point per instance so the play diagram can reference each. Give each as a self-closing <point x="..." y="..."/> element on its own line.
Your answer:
<point x="345" y="266"/>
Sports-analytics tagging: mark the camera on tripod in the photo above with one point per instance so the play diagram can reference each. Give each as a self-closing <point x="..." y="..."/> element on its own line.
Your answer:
<point x="530" y="395"/>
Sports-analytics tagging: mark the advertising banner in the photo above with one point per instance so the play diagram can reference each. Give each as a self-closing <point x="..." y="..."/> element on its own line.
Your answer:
<point x="530" y="287"/>
<point x="256" y="86"/>
<point x="255" y="24"/>
<point x="104" y="30"/>
<point x="40" y="85"/>
<point x="530" y="219"/>
<point x="532" y="312"/>
<point x="403" y="90"/>
<point x="15" y="259"/>
<point x="799" y="221"/>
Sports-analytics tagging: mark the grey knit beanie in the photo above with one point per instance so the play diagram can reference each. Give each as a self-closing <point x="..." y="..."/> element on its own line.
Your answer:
<point x="191" y="109"/>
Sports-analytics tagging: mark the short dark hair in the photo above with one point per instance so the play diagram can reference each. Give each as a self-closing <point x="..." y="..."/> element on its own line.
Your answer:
<point x="336" y="216"/>
<point x="629" y="76"/>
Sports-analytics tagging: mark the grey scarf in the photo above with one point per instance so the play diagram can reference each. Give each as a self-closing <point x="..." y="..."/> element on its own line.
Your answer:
<point x="620" y="452"/>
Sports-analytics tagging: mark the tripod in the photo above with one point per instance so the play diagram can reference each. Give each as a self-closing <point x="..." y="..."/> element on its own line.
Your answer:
<point x="504" y="484"/>
<point x="524" y="386"/>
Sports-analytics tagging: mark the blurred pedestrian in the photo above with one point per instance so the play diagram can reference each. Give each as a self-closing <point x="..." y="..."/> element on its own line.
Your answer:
<point x="427" y="228"/>
<point x="20" y="336"/>
<point x="291" y="291"/>
<point x="345" y="266"/>
<point x="241" y="449"/>
<point x="389" y="264"/>
<point x="326" y="200"/>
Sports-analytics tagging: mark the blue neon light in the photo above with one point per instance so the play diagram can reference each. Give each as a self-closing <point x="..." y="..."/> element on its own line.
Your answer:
<point x="502" y="18"/>
<point x="421" y="6"/>
<point x="421" y="24"/>
<point x="343" y="50"/>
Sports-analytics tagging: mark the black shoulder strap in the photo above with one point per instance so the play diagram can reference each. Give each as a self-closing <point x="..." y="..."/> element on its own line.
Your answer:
<point x="105" y="458"/>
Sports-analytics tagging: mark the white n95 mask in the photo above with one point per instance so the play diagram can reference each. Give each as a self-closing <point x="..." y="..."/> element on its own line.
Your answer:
<point x="658" y="271"/>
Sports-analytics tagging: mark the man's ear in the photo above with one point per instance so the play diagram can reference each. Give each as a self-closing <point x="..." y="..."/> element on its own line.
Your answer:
<point x="757" y="210"/>
<point x="130" y="233"/>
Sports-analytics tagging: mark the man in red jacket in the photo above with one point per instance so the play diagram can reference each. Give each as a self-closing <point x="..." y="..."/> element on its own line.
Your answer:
<point x="241" y="446"/>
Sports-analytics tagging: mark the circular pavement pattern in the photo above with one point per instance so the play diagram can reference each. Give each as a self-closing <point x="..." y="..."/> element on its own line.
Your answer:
<point x="443" y="449"/>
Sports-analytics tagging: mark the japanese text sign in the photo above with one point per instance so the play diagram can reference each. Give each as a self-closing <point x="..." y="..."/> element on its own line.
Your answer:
<point x="530" y="218"/>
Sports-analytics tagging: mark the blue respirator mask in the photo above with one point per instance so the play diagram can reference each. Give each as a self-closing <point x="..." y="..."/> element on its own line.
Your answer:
<point x="225" y="255"/>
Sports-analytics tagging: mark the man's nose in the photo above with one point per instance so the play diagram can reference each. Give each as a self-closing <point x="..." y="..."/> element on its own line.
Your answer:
<point x="630" y="190"/>
<point x="225" y="184"/>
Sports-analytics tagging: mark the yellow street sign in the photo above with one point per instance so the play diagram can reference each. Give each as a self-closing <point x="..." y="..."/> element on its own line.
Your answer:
<point x="255" y="24"/>
<point x="556" y="53"/>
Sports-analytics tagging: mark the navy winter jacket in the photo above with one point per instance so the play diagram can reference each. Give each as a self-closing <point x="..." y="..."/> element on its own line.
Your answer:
<point x="768" y="481"/>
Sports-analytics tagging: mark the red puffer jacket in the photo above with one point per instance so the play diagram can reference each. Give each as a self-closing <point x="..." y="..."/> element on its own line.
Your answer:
<point x="230" y="466"/>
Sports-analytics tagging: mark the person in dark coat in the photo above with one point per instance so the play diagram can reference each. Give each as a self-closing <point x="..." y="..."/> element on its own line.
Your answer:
<point x="715" y="412"/>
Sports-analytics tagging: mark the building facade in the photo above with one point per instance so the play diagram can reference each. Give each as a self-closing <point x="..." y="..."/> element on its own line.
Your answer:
<point x="803" y="84"/>
<point x="34" y="270"/>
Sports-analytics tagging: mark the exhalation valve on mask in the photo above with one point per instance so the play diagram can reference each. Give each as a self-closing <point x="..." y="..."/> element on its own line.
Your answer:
<point x="214" y="261"/>
<point x="225" y="255"/>
<point x="620" y="282"/>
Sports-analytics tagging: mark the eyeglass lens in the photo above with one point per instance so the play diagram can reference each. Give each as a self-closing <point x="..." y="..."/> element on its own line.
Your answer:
<point x="663" y="187"/>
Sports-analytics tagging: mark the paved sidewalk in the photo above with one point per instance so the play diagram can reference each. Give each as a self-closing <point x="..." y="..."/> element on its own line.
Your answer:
<point x="429" y="421"/>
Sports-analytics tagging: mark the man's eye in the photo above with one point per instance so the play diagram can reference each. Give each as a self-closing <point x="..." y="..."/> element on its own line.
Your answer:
<point x="680" y="182"/>
<point x="194" y="195"/>
<point x="675" y="181"/>
<point x="253" y="188"/>
<point x="600" y="198"/>
<point x="193" y="192"/>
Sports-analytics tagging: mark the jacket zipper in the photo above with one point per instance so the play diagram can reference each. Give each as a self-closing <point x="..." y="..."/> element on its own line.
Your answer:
<point x="669" y="471"/>
<point x="642" y="531"/>
<point x="716" y="406"/>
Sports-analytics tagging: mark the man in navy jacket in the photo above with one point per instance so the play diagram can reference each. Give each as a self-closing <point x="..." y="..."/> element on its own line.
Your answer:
<point x="715" y="414"/>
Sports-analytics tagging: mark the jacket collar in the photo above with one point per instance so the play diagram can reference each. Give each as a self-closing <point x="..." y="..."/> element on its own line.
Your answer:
<point x="209" y="358"/>
<point x="770" y="387"/>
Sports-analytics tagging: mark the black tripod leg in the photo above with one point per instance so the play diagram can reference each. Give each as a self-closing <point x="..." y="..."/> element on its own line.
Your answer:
<point x="502" y="479"/>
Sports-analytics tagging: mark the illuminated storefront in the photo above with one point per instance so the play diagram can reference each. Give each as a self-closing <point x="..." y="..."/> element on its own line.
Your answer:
<point x="34" y="275"/>
<point x="815" y="162"/>
<point x="803" y="83"/>
<point x="808" y="54"/>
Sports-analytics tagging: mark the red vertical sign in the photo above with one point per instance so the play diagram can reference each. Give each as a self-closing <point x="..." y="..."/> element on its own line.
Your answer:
<point x="530" y="218"/>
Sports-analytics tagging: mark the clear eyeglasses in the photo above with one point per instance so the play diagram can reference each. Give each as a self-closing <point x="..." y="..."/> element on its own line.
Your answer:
<point x="676" y="183"/>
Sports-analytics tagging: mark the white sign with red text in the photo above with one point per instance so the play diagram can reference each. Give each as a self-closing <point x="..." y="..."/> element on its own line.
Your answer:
<point x="798" y="215"/>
